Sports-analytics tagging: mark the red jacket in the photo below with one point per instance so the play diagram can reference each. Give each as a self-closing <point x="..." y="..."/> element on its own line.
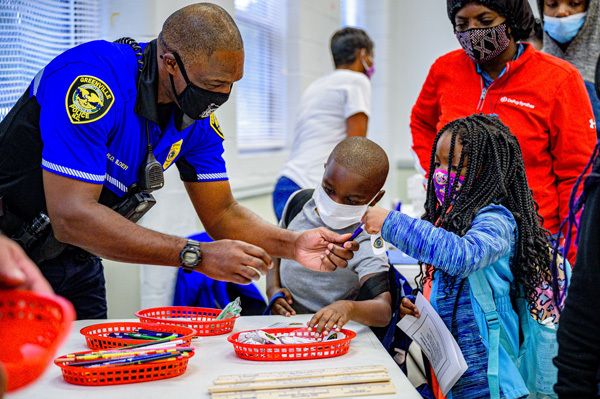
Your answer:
<point x="541" y="98"/>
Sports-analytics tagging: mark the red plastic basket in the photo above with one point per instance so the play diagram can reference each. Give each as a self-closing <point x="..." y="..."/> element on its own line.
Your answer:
<point x="96" y="336"/>
<point x="123" y="374"/>
<point x="316" y="350"/>
<point x="32" y="326"/>
<point x="200" y="319"/>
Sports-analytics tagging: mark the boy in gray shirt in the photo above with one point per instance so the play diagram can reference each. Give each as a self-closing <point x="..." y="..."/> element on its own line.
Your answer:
<point x="354" y="176"/>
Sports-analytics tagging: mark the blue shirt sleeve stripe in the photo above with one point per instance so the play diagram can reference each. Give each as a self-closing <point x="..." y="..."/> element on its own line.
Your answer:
<point x="212" y="176"/>
<point x="79" y="175"/>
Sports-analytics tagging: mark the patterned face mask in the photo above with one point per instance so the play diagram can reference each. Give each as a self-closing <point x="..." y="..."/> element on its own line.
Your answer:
<point x="440" y="182"/>
<point x="484" y="44"/>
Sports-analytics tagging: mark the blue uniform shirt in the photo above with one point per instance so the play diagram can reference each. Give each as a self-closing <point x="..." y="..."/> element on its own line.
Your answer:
<point x="93" y="131"/>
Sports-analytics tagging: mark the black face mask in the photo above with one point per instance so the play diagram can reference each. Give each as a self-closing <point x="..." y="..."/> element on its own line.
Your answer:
<point x="194" y="101"/>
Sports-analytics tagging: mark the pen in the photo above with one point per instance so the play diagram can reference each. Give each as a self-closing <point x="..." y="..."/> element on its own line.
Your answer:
<point x="133" y="363"/>
<point x="124" y="353"/>
<point x="356" y="231"/>
<point x="145" y="336"/>
<point x="140" y="336"/>
<point x="104" y="362"/>
<point x="136" y="359"/>
<point x="156" y="344"/>
<point x="105" y="359"/>
<point x="157" y="333"/>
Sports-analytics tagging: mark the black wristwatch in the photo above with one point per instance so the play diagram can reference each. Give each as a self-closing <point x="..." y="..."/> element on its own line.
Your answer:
<point x="190" y="256"/>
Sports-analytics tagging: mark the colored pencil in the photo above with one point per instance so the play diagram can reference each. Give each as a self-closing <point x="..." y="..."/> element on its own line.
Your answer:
<point x="94" y="356"/>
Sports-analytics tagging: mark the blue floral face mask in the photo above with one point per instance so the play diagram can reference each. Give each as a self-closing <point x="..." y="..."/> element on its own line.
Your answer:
<point x="564" y="29"/>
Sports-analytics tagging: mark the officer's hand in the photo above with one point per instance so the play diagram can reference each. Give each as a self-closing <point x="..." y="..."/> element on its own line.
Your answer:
<point x="17" y="271"/>
<point x="282" y="306"/>
<point x="324" y="250"/>
<point x="233" y="261"/>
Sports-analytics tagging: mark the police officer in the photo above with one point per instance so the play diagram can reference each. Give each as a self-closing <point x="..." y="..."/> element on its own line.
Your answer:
<point x="83" y="143"/>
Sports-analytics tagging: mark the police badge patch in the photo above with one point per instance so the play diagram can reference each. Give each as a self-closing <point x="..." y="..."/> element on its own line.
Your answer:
<point x="88" y="99"/>
<point x="173" y="152"/>
<point x="214" y="123"/>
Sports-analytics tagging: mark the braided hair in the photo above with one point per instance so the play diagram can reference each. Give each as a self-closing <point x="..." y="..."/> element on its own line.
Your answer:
<point x="495" y="173"/>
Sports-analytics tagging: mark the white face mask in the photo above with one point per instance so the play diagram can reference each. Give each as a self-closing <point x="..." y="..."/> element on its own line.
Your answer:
<point x="337" y="216"/>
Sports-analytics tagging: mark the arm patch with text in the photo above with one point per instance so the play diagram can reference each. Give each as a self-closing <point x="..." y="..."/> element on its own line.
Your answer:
<point x="214" y="123"/>
<point x="89" y="99"/>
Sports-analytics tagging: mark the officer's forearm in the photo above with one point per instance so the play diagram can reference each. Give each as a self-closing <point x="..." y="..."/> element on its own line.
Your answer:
<point x="103" y="232"/>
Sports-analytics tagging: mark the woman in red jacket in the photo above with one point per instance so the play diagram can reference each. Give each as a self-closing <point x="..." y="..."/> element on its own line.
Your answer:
<point x="541" y="98"/>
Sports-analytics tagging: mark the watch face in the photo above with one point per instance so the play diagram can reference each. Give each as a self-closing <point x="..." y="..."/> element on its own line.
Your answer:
<point x="190" y="257"/>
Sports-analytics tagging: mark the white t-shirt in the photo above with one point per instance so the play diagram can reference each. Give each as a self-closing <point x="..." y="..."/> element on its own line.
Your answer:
<point x="321" y="123"/>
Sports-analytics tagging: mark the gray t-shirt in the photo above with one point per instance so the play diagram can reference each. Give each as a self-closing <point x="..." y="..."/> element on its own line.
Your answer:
<point x="312" y="290"/>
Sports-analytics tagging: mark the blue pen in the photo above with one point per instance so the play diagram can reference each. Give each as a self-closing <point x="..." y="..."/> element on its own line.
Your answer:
<point x="157" y="333"/>
<point x="135" y="359"/>
<point x="356" y="231"/>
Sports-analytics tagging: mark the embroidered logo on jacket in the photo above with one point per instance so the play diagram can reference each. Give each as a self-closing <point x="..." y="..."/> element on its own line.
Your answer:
<point x="516" y="102"/>
<point x="88" y="99"/>
<point x="173" y="152"/>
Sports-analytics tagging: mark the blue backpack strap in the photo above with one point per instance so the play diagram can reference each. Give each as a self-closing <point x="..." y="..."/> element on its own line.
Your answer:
<point x="485" y="297"/>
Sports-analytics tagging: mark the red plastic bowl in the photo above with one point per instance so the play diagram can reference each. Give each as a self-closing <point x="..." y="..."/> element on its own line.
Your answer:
<point x="314" y="350"/>
<point x="97" y="337"/>
<point x="124" y="374"/>
<point x="32" y="327"/>
<point x="203" y="320"/>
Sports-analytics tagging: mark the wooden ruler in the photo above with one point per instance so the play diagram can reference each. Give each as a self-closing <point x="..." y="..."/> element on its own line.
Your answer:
<point x="340" y="382"/>
<point x="338" y="391"/>
<point x="286" y="375"/>
<point x="303" y="382"/>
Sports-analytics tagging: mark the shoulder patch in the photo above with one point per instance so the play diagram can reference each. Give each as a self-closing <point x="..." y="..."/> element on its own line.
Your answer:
<point x="214" y="123"/>
<point x="88" y="99"/>
<point x="173" y="152"/>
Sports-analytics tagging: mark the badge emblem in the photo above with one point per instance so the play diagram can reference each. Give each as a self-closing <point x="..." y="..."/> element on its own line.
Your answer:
<point x="88" y="99"/>
<point x="214" y="123"/>
<point x="173" y="152"/>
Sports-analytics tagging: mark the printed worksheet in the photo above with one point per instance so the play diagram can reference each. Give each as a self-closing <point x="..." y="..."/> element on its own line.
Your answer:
<point x="436" y="341"/>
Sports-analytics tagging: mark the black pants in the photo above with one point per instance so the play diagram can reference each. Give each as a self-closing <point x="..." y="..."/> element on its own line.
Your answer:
<point x="80" y="281"/>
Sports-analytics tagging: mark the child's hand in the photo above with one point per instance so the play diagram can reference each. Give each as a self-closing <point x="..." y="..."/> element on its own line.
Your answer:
<point x="374" y="218"/>
<point x="333" y="316"/>
<point x="408" y="308"/>
<point x="283" y="306"/>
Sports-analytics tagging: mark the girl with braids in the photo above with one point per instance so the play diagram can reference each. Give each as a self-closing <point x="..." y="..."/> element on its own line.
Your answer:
<point x="480" y="214"/>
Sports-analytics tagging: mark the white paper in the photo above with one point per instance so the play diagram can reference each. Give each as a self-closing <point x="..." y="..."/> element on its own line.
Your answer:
<point x="436" y="341"/>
